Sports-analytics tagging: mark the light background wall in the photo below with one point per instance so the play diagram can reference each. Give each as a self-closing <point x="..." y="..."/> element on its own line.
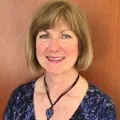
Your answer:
<point x="104" y="21"/>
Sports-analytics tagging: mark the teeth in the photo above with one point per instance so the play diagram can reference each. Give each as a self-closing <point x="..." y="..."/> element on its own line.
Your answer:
<point x="55" y="58"/>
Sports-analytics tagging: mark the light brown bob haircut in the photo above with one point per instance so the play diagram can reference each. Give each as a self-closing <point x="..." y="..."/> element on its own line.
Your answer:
<point x="45" y="18"/>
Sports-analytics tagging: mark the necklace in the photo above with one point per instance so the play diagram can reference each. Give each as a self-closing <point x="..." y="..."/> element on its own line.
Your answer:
<point x="50" y="111"/>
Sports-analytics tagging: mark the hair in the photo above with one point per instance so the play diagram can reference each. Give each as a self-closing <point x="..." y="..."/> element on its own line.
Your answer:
<point x="46" y="16"/>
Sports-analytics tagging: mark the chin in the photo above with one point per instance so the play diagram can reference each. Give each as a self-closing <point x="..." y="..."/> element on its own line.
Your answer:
<point x="58" y="71"/>
<point x="54" y="72"/>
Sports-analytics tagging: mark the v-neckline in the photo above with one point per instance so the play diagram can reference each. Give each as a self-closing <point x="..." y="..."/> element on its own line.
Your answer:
<point x="76" y="111"/>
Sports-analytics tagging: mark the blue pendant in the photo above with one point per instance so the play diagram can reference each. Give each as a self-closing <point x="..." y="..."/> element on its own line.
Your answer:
<point x="49" y="113"/>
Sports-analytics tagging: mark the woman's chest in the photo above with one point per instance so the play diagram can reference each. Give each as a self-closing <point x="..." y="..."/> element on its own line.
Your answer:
<point x="64" y="109"/>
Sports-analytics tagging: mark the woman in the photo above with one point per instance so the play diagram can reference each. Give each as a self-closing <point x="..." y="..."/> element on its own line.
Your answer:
<point x="59" y="43"/>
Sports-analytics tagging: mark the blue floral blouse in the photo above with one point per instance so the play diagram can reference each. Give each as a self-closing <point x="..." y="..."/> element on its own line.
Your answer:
<point x="95" y="105"/>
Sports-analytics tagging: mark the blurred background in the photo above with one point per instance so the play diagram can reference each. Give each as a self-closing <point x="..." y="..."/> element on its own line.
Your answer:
<point x="104" y="22"/>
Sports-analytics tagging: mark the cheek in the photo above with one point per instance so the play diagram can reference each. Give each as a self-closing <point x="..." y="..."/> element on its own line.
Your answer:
<point x="72" y="50"/>
<point x="40" y="49"/>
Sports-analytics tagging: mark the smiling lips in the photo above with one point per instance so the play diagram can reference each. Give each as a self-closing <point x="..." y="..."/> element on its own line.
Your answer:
<point x="55" y="59"/>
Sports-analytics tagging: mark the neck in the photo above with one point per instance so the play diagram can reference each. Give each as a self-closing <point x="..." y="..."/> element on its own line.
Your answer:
<point x="59" y="82"/>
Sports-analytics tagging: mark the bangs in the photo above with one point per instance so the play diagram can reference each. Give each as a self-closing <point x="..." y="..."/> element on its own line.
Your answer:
<point x="48" y="16"/>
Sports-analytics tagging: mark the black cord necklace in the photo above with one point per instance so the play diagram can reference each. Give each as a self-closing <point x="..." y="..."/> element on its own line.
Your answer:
<point x="49" y="111"/>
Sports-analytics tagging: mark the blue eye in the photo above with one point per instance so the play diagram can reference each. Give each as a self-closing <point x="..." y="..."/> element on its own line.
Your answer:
<point x="44" y="36"/>
<point x="66" y="36"/>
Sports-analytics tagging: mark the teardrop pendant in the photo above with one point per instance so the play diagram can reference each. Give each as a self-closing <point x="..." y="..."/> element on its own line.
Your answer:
<point x="49" y="113"/>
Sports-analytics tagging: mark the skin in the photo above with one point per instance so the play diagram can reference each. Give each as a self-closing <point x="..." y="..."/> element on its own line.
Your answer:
<point x="57" y="52"/>
<point x="57" y="49"/>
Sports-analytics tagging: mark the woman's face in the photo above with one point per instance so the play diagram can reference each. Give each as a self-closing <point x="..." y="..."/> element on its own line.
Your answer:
<point x="57" y="48"/>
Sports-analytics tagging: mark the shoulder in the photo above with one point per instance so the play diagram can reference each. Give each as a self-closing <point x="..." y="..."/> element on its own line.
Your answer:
<point x="27" y="87"/>
<point x="20" y="98"/>
<point x="22" y="91"/>
<point x="99" y="104"/>
<point x="96" y="95"/>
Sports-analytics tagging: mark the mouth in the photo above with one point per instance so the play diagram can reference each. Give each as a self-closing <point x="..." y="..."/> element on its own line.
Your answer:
<point x="55" y="59"/>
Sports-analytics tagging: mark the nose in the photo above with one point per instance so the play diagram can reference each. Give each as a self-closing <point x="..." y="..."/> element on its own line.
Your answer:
<point x="54" y="45"/>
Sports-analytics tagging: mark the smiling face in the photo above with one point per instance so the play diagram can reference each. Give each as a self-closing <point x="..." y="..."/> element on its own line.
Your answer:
<point x="57" y="48"/>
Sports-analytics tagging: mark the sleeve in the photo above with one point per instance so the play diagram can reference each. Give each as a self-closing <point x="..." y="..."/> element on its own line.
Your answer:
<point x="99" y="105"/>
<point x="11" y="107"/>
<point x="108" y="110"/>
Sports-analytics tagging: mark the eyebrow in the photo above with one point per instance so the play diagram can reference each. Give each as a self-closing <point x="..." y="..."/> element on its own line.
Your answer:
<point x="67" y="30"/>
<point x="47" y="31"/>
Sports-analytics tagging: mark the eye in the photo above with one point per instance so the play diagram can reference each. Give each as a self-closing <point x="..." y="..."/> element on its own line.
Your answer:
<point x="44" y="36"/>
<point x="66" y="36"/>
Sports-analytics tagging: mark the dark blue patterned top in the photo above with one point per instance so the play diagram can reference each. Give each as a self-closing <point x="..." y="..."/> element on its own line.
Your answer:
<point x="95" y="105"/>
